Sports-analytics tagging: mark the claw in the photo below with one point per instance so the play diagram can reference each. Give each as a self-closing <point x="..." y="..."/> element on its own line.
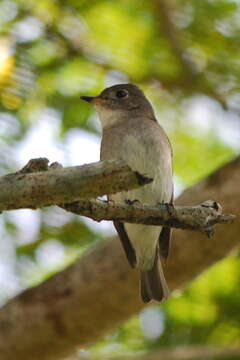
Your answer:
<point x="169" y="206"/>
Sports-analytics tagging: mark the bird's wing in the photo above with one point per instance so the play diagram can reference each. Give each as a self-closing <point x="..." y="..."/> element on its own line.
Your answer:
<point x="128" y="248"/>
<point x="165" y="238"/>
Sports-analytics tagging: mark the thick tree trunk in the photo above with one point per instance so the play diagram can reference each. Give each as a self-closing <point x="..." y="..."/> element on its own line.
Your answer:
<point x="82" y="303"/>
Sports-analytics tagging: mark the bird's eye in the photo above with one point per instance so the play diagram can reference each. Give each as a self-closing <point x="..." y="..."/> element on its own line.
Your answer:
<point x="121" y="93"/>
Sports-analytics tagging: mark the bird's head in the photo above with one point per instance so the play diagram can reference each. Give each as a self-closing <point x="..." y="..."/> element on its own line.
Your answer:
<point x="118" y="102"/>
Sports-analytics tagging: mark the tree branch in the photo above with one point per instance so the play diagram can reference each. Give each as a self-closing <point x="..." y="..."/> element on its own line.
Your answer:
<point x="201" y="217"/>
<point x="91" y="297"/>
<point x="38" y="185"/>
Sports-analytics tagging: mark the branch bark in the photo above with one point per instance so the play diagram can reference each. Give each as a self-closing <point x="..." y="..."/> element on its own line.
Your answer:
<point x="36" y="185"/>
<point x="88" y="299"/>
<point x="201" y="217"/>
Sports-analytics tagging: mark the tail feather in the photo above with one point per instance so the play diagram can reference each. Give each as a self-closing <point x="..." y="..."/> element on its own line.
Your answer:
<point x="153" y="285"/>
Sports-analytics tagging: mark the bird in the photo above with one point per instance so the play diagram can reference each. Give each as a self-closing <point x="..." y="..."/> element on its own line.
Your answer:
<point x="131" y="132"/>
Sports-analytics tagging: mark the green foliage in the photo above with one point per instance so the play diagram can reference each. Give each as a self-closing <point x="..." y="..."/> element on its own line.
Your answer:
<point x="204" y="153"/>
<point x="73" y="234"/>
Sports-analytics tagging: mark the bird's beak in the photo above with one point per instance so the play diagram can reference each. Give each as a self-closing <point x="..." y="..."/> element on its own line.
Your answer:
<point x="88" y="98"/>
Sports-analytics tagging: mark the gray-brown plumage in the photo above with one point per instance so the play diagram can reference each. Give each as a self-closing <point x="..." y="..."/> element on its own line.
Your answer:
<point x="131" y="133"/>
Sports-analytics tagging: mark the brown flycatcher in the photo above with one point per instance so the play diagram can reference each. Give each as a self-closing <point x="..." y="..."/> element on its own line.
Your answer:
<point x="132" y="133"/>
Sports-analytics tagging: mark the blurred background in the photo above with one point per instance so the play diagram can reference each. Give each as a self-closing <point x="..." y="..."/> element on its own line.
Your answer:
<point x="186" y="57"/>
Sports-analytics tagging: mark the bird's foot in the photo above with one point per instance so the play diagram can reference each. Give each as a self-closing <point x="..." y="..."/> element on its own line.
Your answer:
<point x="169" y="206"/>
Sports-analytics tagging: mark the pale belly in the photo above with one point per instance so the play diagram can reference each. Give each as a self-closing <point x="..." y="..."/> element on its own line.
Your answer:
<point x="149" y="162"/>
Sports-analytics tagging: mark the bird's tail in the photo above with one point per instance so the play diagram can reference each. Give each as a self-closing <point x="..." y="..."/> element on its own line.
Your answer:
<point x="153" y="285"/>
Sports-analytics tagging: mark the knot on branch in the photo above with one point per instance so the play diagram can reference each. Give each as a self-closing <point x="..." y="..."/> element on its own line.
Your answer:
<point x="213" y="216"/>
<point x="35" y="165"/>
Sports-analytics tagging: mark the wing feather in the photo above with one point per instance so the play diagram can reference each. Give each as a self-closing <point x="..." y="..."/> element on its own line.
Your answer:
<point x="128" y="248"/>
